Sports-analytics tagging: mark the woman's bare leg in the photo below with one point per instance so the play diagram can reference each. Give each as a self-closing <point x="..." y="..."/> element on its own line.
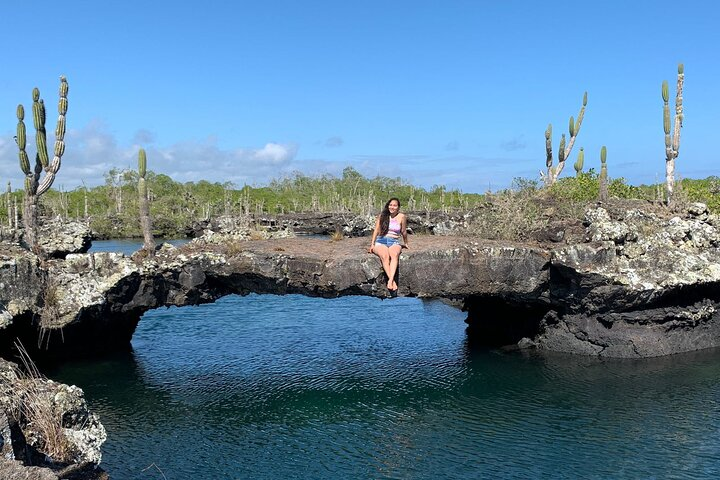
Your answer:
<point x="394" y="252"/>
<point x="384" y="253"/>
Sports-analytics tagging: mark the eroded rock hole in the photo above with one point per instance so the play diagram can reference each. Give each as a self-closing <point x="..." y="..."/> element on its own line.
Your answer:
<point x="497" y="322"/>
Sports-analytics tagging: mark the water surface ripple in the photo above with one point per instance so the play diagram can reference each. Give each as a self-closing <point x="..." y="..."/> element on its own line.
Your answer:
<point x="295" y="387"/>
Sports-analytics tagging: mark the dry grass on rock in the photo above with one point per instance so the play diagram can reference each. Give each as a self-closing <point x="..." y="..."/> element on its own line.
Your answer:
<point x="34" y="409"/>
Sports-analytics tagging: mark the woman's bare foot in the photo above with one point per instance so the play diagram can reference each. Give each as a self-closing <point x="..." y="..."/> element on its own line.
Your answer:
<point x="393" y="286"/>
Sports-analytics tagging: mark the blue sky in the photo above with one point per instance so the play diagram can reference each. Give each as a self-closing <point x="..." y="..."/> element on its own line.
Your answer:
<point x="454" y="92"/>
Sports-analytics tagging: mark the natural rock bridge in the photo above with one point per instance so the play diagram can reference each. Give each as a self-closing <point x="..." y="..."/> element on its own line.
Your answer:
<point x="622" y="293"/>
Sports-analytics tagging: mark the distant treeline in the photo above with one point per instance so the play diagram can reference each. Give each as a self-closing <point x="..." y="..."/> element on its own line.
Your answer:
<point x="112" y="208"/>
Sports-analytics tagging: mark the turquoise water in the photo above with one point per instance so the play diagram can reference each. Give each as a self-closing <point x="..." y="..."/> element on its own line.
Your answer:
<point x="128" y="246"/>
<point x="293" y="387"/>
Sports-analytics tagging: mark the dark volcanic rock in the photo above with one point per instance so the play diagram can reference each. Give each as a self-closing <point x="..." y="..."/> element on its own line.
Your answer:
<point x="550" y="234"/>
<point x="22" y="283"/>
<point x="92" y="302"/>
<point x="349" y="224"/>
<point x="640" y="285"/>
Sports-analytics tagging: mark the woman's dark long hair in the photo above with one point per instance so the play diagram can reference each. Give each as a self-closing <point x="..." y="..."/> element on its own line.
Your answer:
<point x="385" y="217"/>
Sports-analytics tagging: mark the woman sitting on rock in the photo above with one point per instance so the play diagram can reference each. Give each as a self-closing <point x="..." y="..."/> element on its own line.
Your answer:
<point x="385" y="243"/>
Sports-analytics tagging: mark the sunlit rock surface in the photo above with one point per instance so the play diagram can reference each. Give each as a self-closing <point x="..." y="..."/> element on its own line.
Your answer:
<point x="637" y="284"/>
<point x="58" y="238"/>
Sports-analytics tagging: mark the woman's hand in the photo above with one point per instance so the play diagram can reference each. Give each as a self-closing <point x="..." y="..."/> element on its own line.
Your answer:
<point x="370" y="250"/>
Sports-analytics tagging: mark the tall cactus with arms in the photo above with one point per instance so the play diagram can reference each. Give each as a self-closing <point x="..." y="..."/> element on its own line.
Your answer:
<point x="145" y="223"/>
<point x="672" y="145"/>
<point x="563" y="151"/>
<point x="35" y="186"/>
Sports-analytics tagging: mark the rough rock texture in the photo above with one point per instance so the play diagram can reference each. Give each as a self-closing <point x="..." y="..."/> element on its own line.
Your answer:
<point x="15" y="470"/>
<point x="226" y="229"/>
<point x="350" y="224"/>
<point x="56" y="237"/>
<point x="25" y="449"/>
<point x="22" y="283"/>
<point x="639" y="284"/>
<point x="94" y="301"/>
<point x="59" y="238"/>
<point x="643" y="286"/>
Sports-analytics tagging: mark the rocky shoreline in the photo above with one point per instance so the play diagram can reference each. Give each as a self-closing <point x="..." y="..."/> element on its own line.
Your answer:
<point x="625" y="282"/>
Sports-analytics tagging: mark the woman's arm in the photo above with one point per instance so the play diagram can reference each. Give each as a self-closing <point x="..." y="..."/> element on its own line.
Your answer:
<point x="403" y="230"/>
<point x="374" y="234"/>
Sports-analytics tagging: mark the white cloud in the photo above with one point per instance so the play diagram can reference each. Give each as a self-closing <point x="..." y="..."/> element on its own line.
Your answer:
<point x="92" y="151"/>
<point x="193" y="161"/>
<point x="9" y="166"/>
<point x="275" y="154"/>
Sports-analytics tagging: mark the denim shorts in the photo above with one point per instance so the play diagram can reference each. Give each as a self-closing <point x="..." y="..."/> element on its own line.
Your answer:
<point x="387" y="241"/>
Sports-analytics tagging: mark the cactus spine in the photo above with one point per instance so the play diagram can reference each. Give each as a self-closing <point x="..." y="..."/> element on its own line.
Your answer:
<point x="564" y="150"/>
<point x="603" y="175"/>
<point x="672" y="144"/>
<point x="145" y="223"/>
<point x="579" y="162"/>
<point x="34" y="185"/>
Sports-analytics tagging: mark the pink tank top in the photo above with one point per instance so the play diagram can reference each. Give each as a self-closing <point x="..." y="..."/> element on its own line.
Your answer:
<point x="394" y="227"/>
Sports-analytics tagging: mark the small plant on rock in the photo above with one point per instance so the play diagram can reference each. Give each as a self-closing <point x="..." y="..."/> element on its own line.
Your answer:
<point x="337" y="235"/>
<point x="41" y="424"/>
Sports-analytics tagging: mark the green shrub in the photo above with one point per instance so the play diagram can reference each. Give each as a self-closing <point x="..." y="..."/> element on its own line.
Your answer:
<point x="583" y="188"/>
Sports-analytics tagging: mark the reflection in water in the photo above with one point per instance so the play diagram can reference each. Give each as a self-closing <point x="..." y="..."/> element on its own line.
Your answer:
<point x="274" y="387"/>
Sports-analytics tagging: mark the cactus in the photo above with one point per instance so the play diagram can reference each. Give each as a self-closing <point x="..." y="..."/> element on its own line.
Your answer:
<point x="603" y="175"/>
<point x="579" y="162"/>
<point x="672" y="144"/>
<point x="145" y="223"/>
<point x="553" y="173"/>
<point x="34" y="185"/>
<point x="548" y="147"/>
